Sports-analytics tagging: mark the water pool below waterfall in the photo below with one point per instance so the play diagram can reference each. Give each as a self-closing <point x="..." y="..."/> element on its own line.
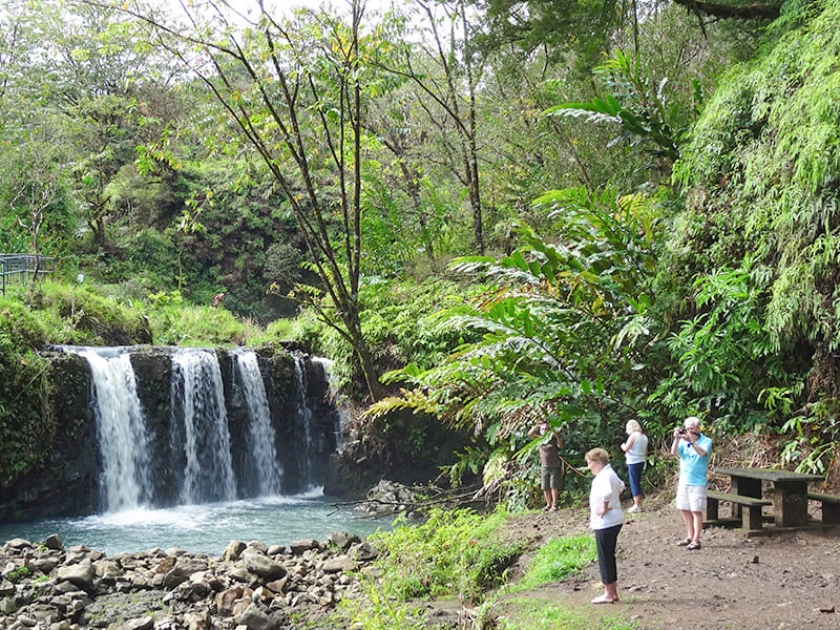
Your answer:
<point x="206" y="528"/>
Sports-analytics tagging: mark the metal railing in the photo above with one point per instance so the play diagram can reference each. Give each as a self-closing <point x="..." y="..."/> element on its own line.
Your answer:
<point x="18" y="268"/>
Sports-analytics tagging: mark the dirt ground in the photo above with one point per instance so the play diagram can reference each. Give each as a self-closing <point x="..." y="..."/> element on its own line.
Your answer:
<point x="781" y="581"/>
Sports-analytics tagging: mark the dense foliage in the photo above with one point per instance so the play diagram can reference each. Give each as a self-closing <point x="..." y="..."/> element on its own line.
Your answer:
<point x="642" y="221"/>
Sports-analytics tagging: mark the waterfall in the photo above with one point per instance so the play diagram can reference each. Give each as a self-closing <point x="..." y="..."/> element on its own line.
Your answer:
<point x="324" y="365"/>
<point x="197" y="385"/>
<point x="122" y="431"/>
<point x="177" y="426"/>
<point x="262" y="437"/>
<point x="303" y="426"/>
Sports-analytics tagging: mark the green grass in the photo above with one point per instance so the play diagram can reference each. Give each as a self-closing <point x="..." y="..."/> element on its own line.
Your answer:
<point x="451" y="553"/>
<point x="463" y="554"/>
<point x="558" y="559"/>
<point x="538" y="613"/>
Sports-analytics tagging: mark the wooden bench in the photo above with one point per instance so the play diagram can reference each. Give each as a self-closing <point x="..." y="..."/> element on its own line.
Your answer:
<point x="830" y="506"/>
<point x="750" y="512"/>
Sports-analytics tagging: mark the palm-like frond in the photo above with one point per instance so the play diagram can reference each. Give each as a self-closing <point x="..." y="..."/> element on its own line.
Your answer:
<point x="561" y="318"/>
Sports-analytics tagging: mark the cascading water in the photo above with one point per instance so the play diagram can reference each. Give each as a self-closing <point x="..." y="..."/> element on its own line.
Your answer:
<point x="192" y="448"/>
<point x="324" y="366"/>
<point x="197" y="385"/>
<point x="262" y="437"/>
<point x="303" y="423"/>
<point x="187" y="430"/>
<point x="122" y="431"/>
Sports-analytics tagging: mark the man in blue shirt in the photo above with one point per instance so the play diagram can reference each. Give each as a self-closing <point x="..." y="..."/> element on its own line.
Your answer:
<point x="693" y="449"/>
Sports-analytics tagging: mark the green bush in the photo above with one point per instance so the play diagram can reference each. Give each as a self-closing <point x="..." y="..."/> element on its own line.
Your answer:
<point x="176" y="324"/>
<point x="452" y="553"/>
<point x="86" y="317"/>
<point x="25" y="419"/>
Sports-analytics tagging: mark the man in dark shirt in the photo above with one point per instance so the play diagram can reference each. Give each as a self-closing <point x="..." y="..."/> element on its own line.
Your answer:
<point x="551" y="468"/>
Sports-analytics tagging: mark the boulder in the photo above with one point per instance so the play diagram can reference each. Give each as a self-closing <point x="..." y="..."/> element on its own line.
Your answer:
<point x="263" y="566"/>
<point x="81" y="574"/>
<point x="233" y="551"/>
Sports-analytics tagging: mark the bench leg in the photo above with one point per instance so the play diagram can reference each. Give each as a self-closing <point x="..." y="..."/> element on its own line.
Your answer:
<point x="712" y="509"/>
<point x="830" y="513"/>
<point x="751" y="517"/>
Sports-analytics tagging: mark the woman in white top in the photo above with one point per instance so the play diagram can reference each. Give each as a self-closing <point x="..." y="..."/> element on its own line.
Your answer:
<point x="606" y="519"/>
<point x="635" y="453"/>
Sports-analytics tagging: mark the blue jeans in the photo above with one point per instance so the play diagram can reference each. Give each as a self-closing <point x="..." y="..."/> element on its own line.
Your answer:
<point x="635" y="473"/>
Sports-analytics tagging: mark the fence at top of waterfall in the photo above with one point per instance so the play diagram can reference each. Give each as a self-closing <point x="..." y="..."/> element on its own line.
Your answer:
<point x="18" y="268"/>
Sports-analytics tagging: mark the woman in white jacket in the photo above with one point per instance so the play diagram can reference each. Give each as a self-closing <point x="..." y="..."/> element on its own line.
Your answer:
<point x="606" y="519"/>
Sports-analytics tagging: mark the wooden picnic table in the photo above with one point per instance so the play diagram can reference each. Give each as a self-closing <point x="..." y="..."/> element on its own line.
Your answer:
<point x="790" y="495"/>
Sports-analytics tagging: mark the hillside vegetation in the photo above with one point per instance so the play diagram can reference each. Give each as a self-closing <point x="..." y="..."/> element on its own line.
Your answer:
<point x="483" y="229"/>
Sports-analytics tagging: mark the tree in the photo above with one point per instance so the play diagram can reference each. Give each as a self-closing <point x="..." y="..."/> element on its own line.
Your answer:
<point x="33" y="180"/>
<point x="448" y="72"/>
<point x="296" y="89"/>
<point x="555" y="25"/>
<point x="567" y="328"/>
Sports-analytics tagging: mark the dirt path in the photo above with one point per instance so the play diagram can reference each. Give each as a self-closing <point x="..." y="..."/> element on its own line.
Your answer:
<point x="781" y="582"/>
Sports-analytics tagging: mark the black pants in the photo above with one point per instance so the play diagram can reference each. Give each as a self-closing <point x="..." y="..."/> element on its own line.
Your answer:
<point x="605" y="540"/>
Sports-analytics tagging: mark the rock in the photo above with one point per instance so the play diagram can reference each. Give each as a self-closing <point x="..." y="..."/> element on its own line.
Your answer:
<point x="166" y="565"/>
<point x="226" y="599"/>
<point x="197" y="620"/>
<point x="53" y="541"/>
<point x="255" y="618"/>
<point x="339" y="564"/>
<point x="299" y="546"/>
<point x="143" y="623"/>
<point x="8" y="606"/>
<point x="233" y="551"/>
<point x="258" y="545"/>
<point x="363" y="552"/>
<point x="80" y="575"/>
<point x="18" y="544"/>
<point x="45" y="565"/>
<point x="261" y="565"/>
<point x="278" y="586"/>
<point x="343" y="540"/>
<point x="240" y="575"/>
<point x="108" y="569"/>
<point x="173" y="590"/>
<point x="182" y="571"/>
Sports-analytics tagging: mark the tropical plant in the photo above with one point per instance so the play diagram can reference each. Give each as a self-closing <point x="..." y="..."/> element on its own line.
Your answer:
<point x="641" y="111"/>
<point x="567" y="330"/>
<point x="759" y="178"/>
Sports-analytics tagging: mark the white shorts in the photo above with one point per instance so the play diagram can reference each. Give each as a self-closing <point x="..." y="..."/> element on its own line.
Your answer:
<point x="692" y="498"/>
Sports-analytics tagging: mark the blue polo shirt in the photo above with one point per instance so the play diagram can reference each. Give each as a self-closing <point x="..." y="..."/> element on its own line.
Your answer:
<point x="693" y="468"/>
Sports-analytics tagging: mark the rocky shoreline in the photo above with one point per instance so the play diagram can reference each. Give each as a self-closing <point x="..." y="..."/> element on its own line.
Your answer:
<point x="251" y="586"/>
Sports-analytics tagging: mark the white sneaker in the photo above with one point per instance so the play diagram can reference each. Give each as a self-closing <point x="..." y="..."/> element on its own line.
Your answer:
<point x="633" y="509"/>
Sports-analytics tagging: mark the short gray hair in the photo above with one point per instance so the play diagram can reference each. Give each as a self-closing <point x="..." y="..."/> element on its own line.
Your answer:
<point x="598" y="455"/>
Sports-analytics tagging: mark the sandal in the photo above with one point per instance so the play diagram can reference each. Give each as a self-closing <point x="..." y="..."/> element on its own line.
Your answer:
<point x="694" y="544"/>
<point x="685" y="543"/>
<point x="604" y="600"/>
